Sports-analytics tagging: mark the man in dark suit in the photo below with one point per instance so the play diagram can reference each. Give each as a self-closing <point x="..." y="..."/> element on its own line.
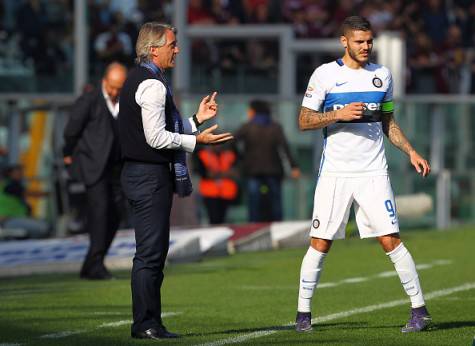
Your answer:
<point x="92" y="150"/>
<point x="264" y="148"/>
<point x="154" y="140"/>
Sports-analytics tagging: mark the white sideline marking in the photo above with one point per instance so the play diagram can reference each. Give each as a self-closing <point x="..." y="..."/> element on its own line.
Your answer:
<point x="7" y="344"/>
<point x="115" y="324"/>
<point x="351" y="280"/>
<point x="369" y="308"/>
<point x="423" y="266"/>
<point x="458" y="298"/>
<point x="326" y="284"/>
<point x="273" y="288"/>
<point x="103" y="325"/>
<point x="387" y="274"/>
<point x="61" y="334"/>
<point x="239" y="338"/>
<point x="121" y="323"/>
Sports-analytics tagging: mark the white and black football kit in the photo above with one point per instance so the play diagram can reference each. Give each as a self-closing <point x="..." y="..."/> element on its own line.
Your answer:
<point x="353" y="167"/>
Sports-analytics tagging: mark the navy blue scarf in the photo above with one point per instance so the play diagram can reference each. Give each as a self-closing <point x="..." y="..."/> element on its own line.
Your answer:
<point x="182" y="186"/>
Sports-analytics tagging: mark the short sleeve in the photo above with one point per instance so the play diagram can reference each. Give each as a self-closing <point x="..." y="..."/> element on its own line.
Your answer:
<point x="315" y="93"/>
<point x="388" y="105"/>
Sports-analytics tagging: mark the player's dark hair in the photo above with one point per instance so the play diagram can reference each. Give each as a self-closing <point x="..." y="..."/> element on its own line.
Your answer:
<point x="260" y="106"/>
<point x="354" y="23"/>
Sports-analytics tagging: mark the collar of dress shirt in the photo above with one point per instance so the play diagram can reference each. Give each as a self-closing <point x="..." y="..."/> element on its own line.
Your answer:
<point x="113" y="107"/>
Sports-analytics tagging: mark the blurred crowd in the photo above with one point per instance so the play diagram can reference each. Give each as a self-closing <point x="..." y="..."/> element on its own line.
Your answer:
<point x="440" y="34"/>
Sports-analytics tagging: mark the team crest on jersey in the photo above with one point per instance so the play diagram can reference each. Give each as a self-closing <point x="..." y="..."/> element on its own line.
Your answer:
<point x="316" y="223"/>
<point x="377" y="82"/>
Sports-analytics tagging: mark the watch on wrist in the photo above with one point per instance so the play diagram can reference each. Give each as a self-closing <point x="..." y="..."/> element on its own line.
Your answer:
<point x="195" y="120"/>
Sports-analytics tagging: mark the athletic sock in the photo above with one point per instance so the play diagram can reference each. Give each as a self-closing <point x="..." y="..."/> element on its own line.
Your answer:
<point x="406" y="269"/>
<point x="312" y="265"/>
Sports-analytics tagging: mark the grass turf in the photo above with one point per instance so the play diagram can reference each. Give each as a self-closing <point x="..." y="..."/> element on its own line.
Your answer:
<point x="225" y="298"/>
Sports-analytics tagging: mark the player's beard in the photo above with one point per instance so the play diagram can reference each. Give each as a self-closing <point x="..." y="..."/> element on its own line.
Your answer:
<point x="354" y="55"/>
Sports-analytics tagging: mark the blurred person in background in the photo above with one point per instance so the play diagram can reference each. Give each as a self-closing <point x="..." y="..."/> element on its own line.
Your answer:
<point x="455" y="60"/>
<point x="216" y="166"/>
<point x="114" y="44"/>
<point x="31" y="20"/>
<point x="15" y="211"/>
<point x="262" y="143"/>
<point x="154" y="140"/>
<point x="92" y="150"/>
<point x="425" y="66"/>
<point x="436" y="21"/>
<point x="199" y="13"/>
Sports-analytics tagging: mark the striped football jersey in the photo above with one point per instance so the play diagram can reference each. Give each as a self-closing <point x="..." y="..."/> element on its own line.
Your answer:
<point x="352" y="148"/>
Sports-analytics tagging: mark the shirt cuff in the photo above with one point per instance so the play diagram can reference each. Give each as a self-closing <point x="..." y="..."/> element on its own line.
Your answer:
<point x="189" y="126"/>
<point x="188" y="143"/>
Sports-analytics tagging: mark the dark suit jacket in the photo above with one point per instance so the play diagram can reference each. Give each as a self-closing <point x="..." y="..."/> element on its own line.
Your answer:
<point x="262" y="147"/>
<point x="89" y="136"/>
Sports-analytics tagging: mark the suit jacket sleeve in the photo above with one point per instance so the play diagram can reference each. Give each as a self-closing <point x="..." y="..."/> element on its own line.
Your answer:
<point x="78" y="119"/>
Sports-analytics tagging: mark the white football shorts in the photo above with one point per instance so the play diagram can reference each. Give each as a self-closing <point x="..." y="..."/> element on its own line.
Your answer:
<point x="373" y="201"/>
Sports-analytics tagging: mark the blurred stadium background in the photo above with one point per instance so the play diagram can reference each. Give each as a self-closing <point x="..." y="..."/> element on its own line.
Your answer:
<point x="51" y="50"/>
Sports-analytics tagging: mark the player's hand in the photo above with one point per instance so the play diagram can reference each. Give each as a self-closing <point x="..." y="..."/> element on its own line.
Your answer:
<point x="208" y="108"/>
<point x="208" y="137"/>
<point x="420" y="164"/>
<point x="353" y="111"/>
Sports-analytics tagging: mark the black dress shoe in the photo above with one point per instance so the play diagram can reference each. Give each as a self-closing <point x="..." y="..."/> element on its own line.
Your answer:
<point x="155" y="333"/>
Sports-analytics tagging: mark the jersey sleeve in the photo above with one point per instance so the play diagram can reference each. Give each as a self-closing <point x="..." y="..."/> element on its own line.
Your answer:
<point x="388" y="105"/>
<point x="315" y="94"/>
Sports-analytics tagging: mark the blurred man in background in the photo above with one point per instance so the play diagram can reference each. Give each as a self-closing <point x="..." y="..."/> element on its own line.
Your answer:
<point x="263" y="142"/>
<point x="92" y="150"/>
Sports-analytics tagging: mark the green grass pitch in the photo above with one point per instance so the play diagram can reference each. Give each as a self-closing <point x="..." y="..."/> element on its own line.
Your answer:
<point x="250" y="299"/>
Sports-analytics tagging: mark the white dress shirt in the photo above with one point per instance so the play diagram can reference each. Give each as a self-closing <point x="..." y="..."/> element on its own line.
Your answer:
<point x="150" y="96"/>
<point x="113" y="107"/>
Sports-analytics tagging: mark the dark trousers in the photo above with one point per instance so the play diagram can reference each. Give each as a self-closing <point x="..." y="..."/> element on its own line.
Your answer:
<point x="216" y="209"/>
<point x="149" y="189"/>
<point x="265" y="198"/>
<point x="105" y="204"/>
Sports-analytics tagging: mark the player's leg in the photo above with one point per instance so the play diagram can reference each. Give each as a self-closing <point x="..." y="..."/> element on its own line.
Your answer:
<point x="376" y="216"/>
<point x="312" y="266"/>
<point x="331" y="211"/>
<point x="406" y="269"/>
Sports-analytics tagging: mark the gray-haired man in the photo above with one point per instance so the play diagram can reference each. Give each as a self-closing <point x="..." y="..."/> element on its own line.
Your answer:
<point x="154" y="141"/>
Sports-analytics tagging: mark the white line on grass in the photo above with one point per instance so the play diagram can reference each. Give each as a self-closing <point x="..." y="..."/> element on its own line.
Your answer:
<point x="62" y="334"/>
<point x="350" y="280"/>
<point x="7" y="344"/>
<point x="121" y="323"/>
<point x="353" y="280"/>
<point x="114" y="324"/>
<point x="342" y="314"/>
<point x="66" y="333"/>
<point x="465" y="299"/>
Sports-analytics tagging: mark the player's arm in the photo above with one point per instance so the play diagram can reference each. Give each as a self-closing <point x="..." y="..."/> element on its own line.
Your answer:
<point x="396" y="136"/>
<point x="310" y="119"/>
